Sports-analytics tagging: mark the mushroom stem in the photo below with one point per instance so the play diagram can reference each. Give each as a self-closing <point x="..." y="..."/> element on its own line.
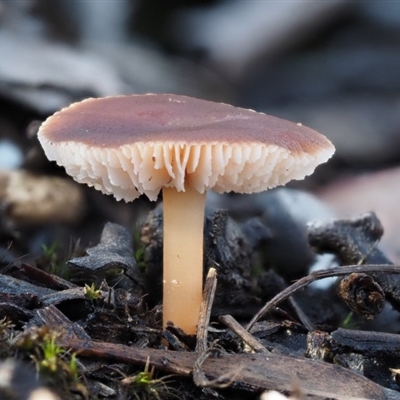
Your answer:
<point x="183" y="257"/>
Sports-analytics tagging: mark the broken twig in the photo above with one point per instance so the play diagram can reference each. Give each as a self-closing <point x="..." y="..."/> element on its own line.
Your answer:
<point x="205" y="310"/>
<point x="248" y="338"/>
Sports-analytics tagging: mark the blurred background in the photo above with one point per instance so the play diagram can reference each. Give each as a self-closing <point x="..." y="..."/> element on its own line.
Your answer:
<point x="331" y="65"/>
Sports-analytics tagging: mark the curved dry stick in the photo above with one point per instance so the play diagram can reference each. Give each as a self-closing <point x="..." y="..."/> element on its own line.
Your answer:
<point x="318" y="275"/>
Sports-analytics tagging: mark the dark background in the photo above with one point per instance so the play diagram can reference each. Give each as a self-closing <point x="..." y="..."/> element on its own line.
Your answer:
<point x="331" y="65"/>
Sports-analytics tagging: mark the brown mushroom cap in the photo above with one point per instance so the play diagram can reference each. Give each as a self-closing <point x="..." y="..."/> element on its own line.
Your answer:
<point x="129" y="145"/>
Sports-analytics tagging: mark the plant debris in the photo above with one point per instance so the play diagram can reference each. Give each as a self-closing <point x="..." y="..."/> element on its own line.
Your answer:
<point x="113" y="255"/>
<point x="354" y="241"/>
<point x="362" y="294"/>
<point x="67" y="327"/>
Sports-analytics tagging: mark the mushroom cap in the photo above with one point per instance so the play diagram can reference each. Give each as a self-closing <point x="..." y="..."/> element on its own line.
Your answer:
<point x="138" y="144"/>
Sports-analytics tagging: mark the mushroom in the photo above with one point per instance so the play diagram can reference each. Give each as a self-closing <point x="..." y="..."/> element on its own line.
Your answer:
<point x="143" y="144"/>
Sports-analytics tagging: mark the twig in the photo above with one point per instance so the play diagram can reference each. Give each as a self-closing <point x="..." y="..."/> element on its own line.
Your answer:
<point x="199" y="377"/>
<point x="249" y="339"/>
<point x="205" y="310"/>
<point x="318" y="275"/>
<point x="251" y="372"/>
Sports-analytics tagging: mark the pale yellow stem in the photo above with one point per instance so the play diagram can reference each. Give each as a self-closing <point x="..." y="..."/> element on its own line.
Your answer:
<point x="183" y="257"/>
